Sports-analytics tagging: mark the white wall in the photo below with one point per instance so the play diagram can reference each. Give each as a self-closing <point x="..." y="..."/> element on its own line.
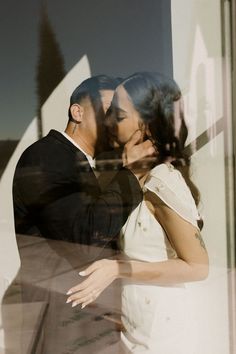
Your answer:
<point x="55" y="110"/>
<point x="9" y="255"/>
<point x="197" y="63"/>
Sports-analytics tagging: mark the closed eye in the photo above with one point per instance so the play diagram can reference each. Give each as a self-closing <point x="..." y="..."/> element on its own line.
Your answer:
<point x="120" y="118"/>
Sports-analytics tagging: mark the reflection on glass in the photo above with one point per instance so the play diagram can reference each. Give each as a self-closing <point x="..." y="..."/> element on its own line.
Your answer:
<point x="161" y="237"/>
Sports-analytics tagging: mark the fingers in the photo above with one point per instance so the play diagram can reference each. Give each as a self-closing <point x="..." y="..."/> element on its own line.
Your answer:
<point x="145" y="149"/>
<point x="89" y="301"/>
<point x="84" y="297"/>
<point x="134" y="139"/>
<point x="84" y="293"/>
<point x="100" y="274"/>
<point x="85" y="283"/>
<point x="138" y="152"/>
<point x="89" y="270"/>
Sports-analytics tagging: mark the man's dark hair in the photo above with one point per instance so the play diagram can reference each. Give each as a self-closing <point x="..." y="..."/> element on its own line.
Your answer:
<point x="91" y="88"/>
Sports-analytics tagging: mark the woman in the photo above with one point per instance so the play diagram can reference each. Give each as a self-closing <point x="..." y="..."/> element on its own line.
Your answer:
<point x="162" y="235"/>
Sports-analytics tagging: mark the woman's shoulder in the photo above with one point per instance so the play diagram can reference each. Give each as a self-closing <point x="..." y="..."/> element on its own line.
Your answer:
<point x="169" y="185"/>
<point x="166" y="174"/>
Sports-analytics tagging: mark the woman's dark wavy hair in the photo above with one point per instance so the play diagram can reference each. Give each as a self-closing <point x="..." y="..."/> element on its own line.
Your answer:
<point x="153" y="96"/>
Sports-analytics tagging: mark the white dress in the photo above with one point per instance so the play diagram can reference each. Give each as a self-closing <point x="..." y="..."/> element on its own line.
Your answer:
<point x="156" y="318"/>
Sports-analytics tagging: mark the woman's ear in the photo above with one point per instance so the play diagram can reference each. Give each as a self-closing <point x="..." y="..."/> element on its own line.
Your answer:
<point x="77" y="112"/>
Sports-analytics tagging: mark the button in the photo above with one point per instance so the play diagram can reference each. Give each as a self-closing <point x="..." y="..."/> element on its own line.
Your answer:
<point x="171" y="167"/>
<point x="159" y="186"/>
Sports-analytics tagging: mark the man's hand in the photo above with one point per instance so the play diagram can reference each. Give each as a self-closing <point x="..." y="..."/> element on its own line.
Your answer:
<point x="138" y="156"/>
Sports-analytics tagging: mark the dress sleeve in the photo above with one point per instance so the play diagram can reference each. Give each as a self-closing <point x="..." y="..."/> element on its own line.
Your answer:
<point x="169" y="185"/>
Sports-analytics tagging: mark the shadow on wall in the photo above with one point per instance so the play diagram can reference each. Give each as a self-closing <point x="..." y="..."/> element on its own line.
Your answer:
<point x="9" y="258"/>
<point x="50" y="68"/>
<point x="7" y="148"/>
<point x="50" y="72"/>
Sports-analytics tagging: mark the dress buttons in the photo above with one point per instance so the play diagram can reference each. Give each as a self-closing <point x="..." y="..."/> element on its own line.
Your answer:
<point x="140" y="225"/>
<point x="159" y="185"/>
<point x="171" y="167"/>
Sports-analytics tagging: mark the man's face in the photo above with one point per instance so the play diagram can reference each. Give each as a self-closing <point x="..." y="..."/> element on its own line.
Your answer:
<point x="95" y="118"/>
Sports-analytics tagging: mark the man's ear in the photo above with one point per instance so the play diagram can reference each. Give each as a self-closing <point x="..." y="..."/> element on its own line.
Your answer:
<point x="77" y="112"/>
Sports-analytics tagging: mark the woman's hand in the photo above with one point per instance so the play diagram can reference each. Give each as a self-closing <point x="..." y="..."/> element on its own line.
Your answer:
<point x="100" y="275"/>
<point x="138" y="155"/>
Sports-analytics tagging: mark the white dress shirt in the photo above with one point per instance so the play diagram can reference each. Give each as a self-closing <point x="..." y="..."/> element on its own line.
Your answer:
<point x="91" y="160"/>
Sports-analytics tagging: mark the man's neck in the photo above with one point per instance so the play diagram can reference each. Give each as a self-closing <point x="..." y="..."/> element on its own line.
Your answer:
<point x="82" y="143"/>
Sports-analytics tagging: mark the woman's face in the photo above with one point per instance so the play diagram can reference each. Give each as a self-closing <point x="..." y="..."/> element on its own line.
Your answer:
<point x="123" y="120"/>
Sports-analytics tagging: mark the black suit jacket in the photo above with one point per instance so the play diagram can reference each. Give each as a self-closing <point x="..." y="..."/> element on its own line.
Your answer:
<point x="56" y="192"/>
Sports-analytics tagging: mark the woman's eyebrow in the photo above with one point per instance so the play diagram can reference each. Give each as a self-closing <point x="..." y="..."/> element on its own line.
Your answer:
<point x="119" y="109"/>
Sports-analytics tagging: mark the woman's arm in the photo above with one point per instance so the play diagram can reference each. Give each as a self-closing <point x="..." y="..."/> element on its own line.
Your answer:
<point x="192" y="261"/>
<point x="191" y="264"/>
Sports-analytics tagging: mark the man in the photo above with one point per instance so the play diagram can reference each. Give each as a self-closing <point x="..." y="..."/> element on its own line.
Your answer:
<point x="55" y="190"/>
